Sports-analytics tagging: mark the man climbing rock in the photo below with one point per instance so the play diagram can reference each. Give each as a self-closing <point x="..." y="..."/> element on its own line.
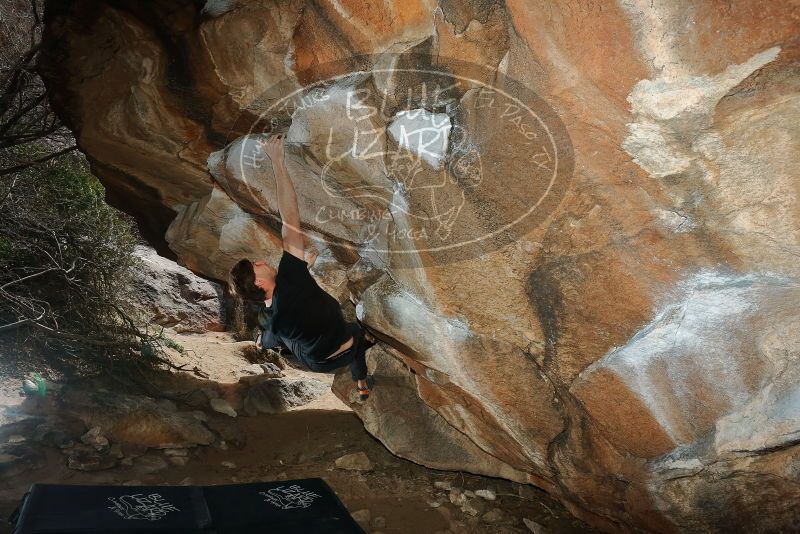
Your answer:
<point x="297" y="313"/>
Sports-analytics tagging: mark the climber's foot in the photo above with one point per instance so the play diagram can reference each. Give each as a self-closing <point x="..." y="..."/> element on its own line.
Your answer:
<point x="364" y="387"/>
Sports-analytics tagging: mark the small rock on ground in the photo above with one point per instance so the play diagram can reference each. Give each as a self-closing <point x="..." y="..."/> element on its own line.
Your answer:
<point x="95" y="438"/>
<point x="493" y="516"/>
<point x="457" y="497"/>
<point x="473" y="507"/>
<point x="222" y="406"/>
<point x="487" y="494"/>
<point x="358" y="461"/>
<point x="116" y="451"/>
<point x="83" y="458"/>
<point x="362" y="517"/>
<point x="272" y="370"/>
<point x="253" y="369"/>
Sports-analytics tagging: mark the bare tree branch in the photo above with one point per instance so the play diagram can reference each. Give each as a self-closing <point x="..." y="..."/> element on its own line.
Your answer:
<point x="36" y="19"/>
<point x="10" y="189"/>
<point x="19" y="323"/>
<point x="29" y="277"/>
<point x="7" y="125"/>
<point x="64" y="254"/>
<point x="13" y="82"/>
<point x="24" y="166"/>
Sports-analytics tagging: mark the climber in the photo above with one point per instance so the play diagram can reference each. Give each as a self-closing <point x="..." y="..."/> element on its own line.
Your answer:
<point x="296" y="313"/>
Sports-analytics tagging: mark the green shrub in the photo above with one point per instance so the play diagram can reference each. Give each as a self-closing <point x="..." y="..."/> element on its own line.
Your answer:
<point x="65" y="265"/>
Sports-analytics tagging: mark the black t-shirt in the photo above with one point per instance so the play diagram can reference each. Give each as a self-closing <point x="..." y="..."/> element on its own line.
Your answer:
<point x="304" y="317"/>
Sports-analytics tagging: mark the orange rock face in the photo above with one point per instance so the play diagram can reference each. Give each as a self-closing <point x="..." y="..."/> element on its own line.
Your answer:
<point x="631" y="345"/>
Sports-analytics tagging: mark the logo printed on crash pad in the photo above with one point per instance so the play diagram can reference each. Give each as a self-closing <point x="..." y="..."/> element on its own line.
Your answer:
<point x="288" y="497"/>
<point x="150" y="507"/>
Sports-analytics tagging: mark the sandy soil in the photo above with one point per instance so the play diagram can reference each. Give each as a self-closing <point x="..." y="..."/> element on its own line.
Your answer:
<point x="305" y="442"/>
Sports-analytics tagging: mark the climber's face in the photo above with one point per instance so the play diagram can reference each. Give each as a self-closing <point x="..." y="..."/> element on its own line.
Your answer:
<point x="265" y="276"/>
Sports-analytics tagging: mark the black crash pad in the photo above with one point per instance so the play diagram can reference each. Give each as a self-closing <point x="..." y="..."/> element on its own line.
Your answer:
<point x="285" y="507"/>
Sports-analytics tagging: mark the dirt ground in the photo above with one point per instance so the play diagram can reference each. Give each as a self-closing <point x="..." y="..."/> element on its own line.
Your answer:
<point x="401" y="497"/>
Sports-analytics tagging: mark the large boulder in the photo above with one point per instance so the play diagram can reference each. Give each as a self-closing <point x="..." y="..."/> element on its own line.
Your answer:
<point x="630" y="346"/>
<point x="168" y="294"/>
<point x="137" y="420"/>
<point x="275" y="395"/>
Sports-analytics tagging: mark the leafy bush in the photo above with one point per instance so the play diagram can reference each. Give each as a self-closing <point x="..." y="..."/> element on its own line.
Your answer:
<point x="65" y="266"/>
<point x="65" y="255"/>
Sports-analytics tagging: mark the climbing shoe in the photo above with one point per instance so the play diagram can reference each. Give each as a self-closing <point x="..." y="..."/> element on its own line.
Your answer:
<point x="363" y="393"/>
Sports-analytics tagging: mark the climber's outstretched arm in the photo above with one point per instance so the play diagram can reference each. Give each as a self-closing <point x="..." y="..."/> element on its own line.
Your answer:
<point x="287" y="198"/>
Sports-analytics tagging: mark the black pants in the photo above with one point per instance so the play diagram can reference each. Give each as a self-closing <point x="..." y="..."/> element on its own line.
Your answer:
<point x="355" y="356"/>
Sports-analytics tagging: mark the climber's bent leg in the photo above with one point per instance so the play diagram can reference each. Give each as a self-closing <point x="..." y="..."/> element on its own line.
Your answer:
<point x="358" y="362"/>
<point x="355" y="357"/>
<point x="358" y="367"/>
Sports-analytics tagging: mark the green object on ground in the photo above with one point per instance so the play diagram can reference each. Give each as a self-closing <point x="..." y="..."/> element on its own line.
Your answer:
<point x="34" y="386"/>
<point x="40" y="384"/>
